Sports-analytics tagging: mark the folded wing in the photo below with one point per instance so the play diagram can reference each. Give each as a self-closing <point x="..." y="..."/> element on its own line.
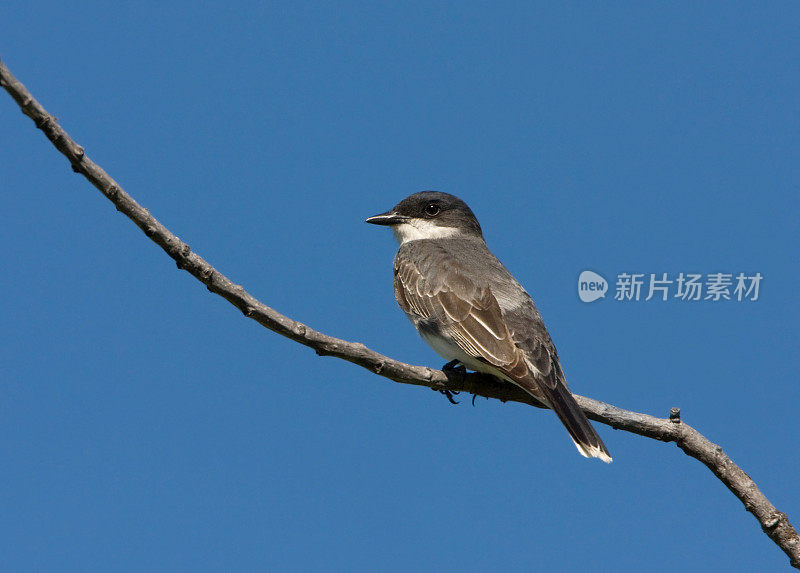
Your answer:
<point x="469" y="314"/>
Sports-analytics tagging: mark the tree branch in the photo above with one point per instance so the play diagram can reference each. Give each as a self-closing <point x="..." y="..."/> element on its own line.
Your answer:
<point x="774" y="523"/>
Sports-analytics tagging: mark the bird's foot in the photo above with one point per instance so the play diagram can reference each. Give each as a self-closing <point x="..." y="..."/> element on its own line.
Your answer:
<point x="454" y="367"/>
<point x="450" y="394"/>
<point x="455" y="371"/>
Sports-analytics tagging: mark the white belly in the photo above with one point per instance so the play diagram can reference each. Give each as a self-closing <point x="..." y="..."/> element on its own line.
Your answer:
<point x="451" y="351"/>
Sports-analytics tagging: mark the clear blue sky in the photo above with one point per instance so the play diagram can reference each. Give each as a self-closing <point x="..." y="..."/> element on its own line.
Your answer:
<point x="146" y="425"/>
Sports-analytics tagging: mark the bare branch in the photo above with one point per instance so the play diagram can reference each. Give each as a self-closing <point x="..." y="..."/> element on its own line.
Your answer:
<point x="774" y="523"/>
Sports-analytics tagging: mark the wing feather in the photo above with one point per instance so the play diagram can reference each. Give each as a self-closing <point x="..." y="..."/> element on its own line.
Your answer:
<point x="469" y="313"/>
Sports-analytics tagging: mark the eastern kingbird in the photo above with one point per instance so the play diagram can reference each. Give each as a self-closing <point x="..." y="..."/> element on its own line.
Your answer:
<point x="471" y="310"/>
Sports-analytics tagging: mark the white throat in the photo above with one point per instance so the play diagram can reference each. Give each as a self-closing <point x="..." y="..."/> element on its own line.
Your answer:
<point x="418" y="229"/>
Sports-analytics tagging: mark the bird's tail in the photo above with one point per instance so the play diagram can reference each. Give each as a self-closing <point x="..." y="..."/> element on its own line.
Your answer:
<point x="575" y="421"/>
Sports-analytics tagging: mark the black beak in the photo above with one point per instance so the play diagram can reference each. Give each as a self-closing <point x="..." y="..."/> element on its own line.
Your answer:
<point x="387" y="218"/>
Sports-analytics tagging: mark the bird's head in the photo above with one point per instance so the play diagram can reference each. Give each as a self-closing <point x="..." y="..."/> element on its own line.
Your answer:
<point x="429" y="215"/>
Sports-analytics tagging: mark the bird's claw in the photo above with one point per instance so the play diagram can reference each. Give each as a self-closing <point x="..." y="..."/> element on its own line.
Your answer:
<point x="449" y="394"/>
<point x="455" y="371"/>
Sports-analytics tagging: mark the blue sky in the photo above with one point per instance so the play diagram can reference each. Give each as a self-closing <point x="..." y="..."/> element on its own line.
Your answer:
<point x="146" y="425"/>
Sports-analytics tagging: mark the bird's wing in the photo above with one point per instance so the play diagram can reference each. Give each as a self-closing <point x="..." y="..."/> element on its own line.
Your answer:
<point x="470" y="314"/>
<point x="467" y="312"/>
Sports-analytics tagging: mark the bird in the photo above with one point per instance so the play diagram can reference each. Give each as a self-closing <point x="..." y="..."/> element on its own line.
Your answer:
<point x="472" y="311"/>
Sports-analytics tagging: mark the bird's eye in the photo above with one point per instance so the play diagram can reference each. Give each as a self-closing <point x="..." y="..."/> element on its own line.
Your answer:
<point x="432" y="209"/>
